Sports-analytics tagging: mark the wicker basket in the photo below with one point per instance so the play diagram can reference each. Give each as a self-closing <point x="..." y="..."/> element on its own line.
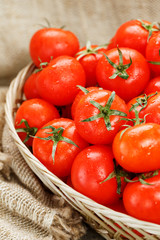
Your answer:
<point x="107" y="222"/>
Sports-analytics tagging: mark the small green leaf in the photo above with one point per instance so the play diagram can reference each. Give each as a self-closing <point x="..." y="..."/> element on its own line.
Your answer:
<point x="110" y="62"/>
<point x="110" y="100"/>
<point x="117" y="113"/>
<point x="108" y="123"/>
<point x="83" y="89"/>
<point x="67" y="140"/>
<point x="95" y="117"/>
<point x="96" y="104"/>
<point x="110" y="176"/>
<point x="155" y="63"/>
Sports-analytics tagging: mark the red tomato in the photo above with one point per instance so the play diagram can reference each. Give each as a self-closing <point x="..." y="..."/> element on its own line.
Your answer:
<point x="143" y="201"/>
<point x="36" y="112"/>
<point x="88" y="57"/>
<point x="137" y="149"/>
<point x="30" y="89"/>
<point x="127" y="83"/>
<point x="103" y="107"/>
<point x="65" y="152"/>
<point x="78" y="97"/>
<point x="118" y="206"/>
<point x="151" y="110"/>
<point x="153" y="85"/>
<point x="153" y="54"/>
<point x="135" y="34"/>
<point x="58" y="82"/>
<point x="92" y="166"/>
<point x="50" y="43"/>
<point x="69" y="182"/>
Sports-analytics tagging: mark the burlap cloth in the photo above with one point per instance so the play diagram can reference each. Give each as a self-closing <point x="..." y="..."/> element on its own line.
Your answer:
<point x="28" y="211"/>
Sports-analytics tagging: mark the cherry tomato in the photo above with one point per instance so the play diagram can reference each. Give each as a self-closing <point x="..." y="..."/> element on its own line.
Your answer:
<point x="143" y="201"/>
<point x="98" y="115"/>
<point x="135" y="34"/>
<point x="36" y="112"/>
<point x="153" y="85"/>
<point x="50" y="43"/>
<point x="137" y="149"/>
<point x="30" y="89"/>
<point x="58" y="151"/>
<point x="127" y="74"/>
<point x="153" y="54"/>
<point x="58" y="82"/>
<point x="118" y="206"/>
<point x="92" y="166"/>
<point x="88" y="57"/>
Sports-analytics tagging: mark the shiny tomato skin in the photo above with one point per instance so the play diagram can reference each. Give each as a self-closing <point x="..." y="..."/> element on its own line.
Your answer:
<point x="77" y="99"/>
<point x="153" y="85"/>
<point x="139" y="73"/>
<point x="36" y="112"/>
<point x="30" y="89"/>
<point x="152" y="53"/>
<point x="65" y="152"/>
<point x="143" y="201"/>
<point x="95" y="132"/>
<point x="151" y="112"/>
<point x="50" y="43"/>
<point x="137" y="149"/>
<point x="91" y="166"/>
<point x="89" y="63"/>
<point x="132" y="34"/>
<point x="58" y="82"/>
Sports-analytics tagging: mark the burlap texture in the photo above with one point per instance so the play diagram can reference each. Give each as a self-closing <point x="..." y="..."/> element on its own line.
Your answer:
<point x="94" y="20"/>
<point x="28" y="211"/>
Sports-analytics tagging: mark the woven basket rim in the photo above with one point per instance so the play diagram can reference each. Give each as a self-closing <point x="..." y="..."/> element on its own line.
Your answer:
<point x="14" y="92"/>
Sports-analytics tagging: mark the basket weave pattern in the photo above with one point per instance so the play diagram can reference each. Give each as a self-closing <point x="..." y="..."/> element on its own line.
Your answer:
<point x="105" y="221"/>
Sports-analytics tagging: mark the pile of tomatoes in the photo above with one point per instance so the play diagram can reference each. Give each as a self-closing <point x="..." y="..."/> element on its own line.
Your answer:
<point x="92" y="115"/>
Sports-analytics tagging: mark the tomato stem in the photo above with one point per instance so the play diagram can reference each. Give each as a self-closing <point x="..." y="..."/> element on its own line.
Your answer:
<point x="121" y="68"/>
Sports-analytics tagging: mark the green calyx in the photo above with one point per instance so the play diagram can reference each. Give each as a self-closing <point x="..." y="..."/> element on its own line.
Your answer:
<point x="89" y="50"/>
<point x="56" y="136"/>
<point x="149" y="27"/>
<point x="120" y="68"/>
<point x="30" y="131"/>
<point x="105" y="112"/>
